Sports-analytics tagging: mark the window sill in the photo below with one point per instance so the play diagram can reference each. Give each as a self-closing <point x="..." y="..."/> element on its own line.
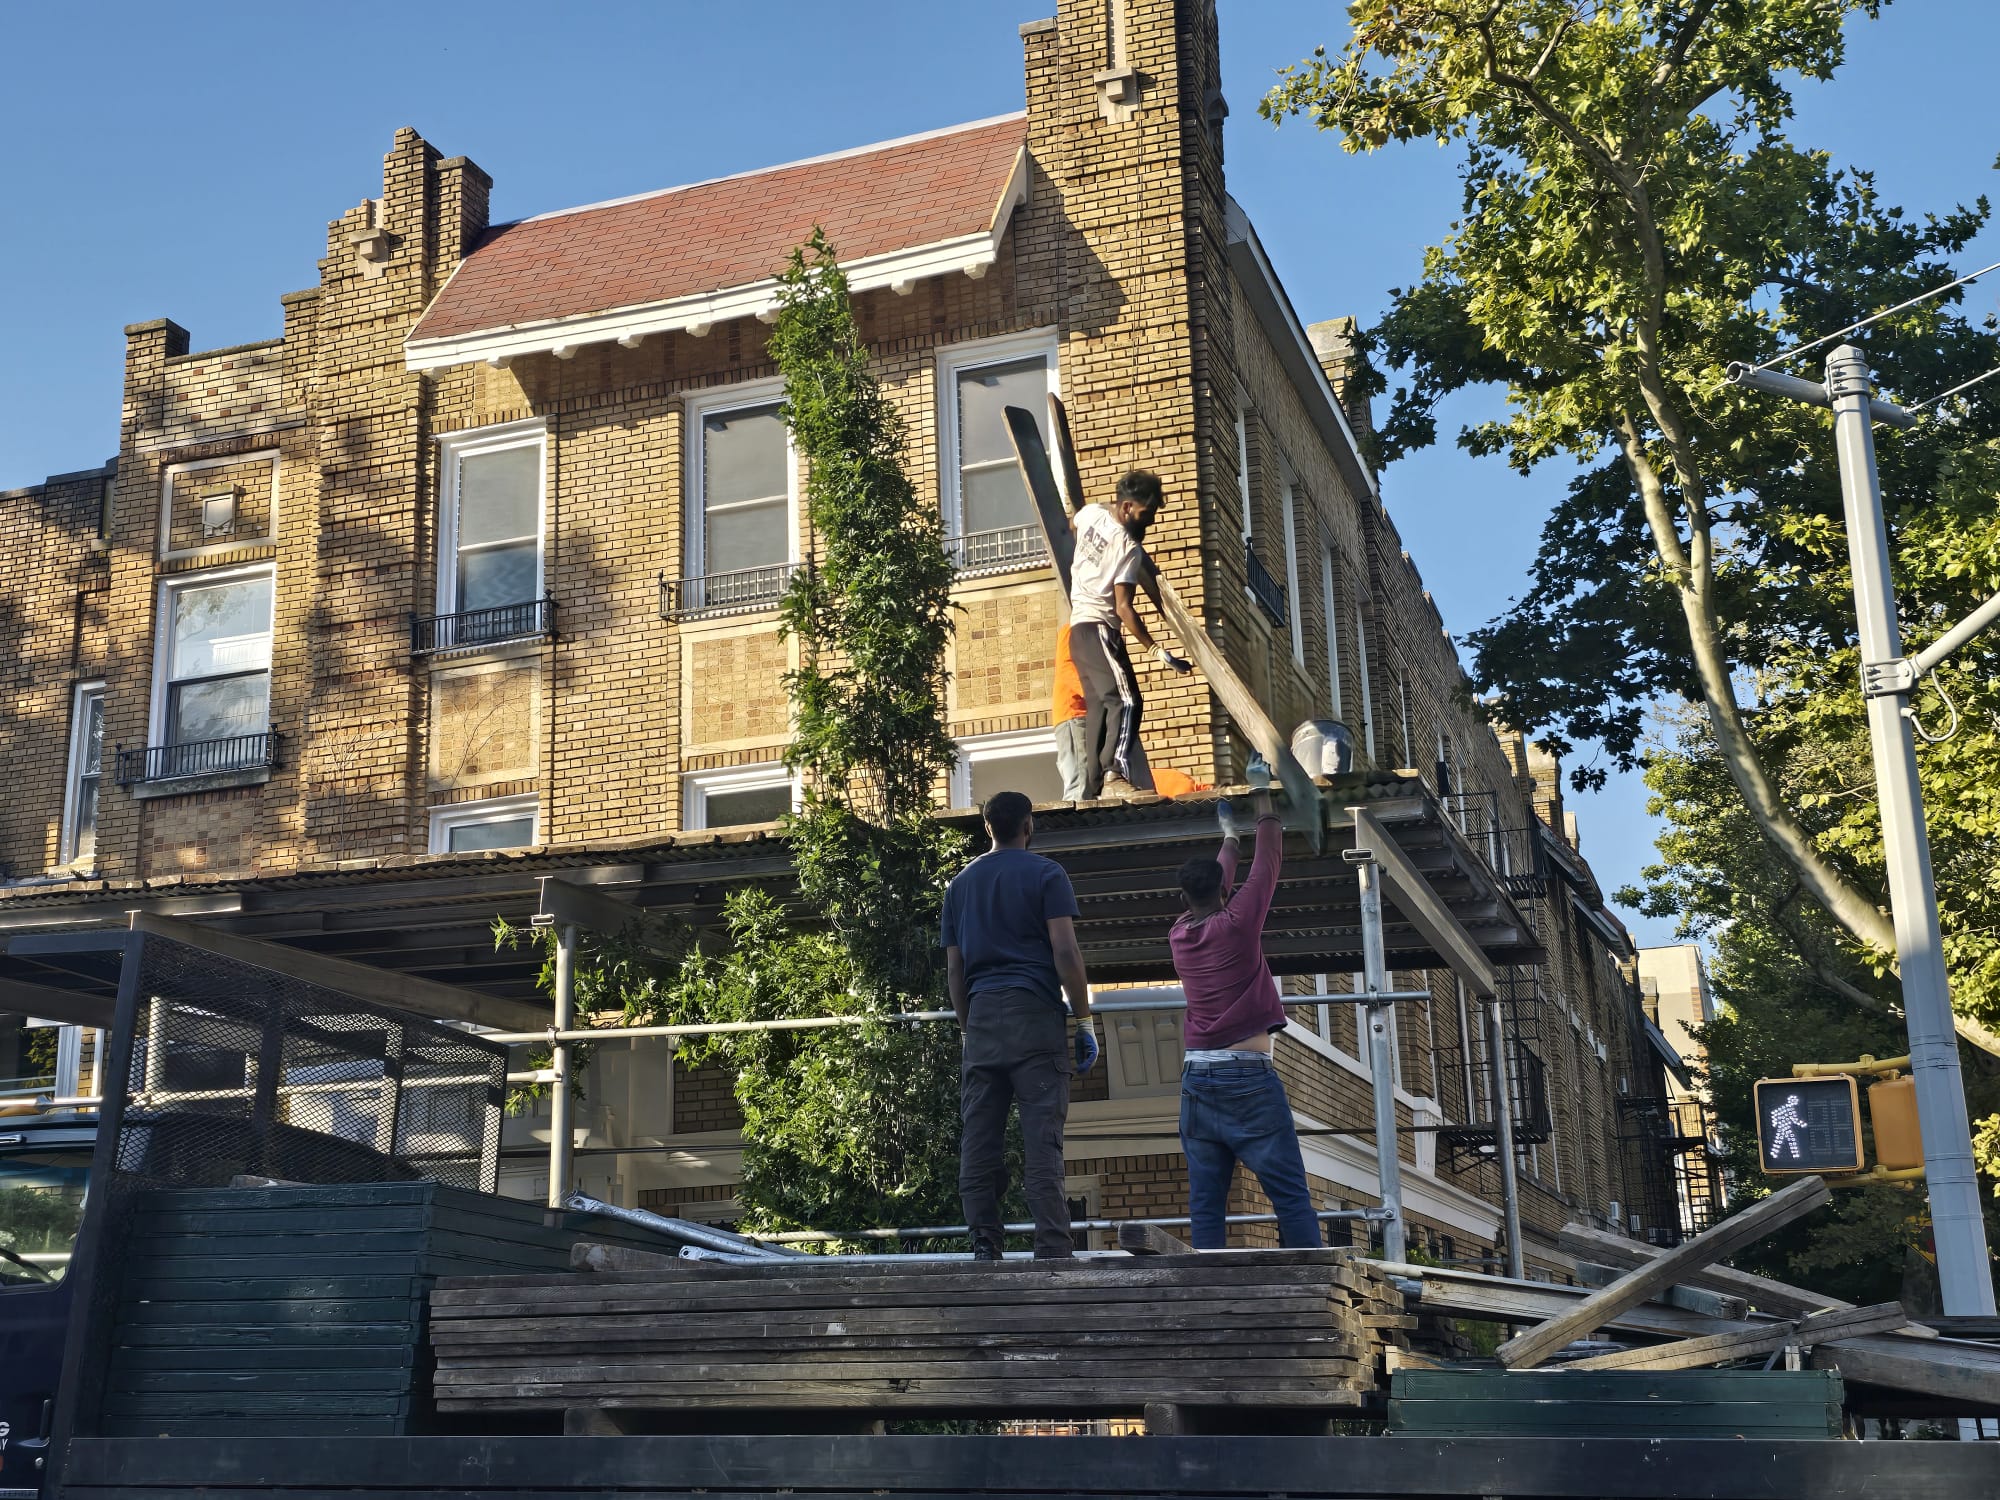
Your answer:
<point x="212" y="781"/>
<point x="486" y="651"/>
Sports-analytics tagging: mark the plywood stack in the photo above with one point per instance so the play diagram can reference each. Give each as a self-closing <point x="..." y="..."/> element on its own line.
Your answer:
<point x="1231" y="1330"/>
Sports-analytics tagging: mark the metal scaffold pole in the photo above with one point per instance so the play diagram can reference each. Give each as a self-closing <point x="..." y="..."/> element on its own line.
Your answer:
<point x="1503" y="1131"/>
<point x="1381" y="1058"/>
<point x="562" y="1139"/>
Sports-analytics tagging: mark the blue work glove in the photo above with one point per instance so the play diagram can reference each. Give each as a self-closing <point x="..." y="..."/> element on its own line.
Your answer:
<point x="1225" y="817"/>
<point x="1086" y="1047"/>
<point x="1258" y="773"/>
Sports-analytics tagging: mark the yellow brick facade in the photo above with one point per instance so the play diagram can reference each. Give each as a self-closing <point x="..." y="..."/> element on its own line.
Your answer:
<point x="334" y="456"/>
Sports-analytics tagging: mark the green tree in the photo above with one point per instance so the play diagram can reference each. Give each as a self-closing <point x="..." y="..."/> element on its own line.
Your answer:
<point x="850" y="1125"/>
<point x="1634" y="219"/>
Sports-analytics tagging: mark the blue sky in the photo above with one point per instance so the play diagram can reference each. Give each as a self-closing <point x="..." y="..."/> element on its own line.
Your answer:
<point x="182" y="162"/>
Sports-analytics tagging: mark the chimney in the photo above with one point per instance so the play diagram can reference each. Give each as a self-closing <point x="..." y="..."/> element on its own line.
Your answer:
<point x="1334" y="345"/>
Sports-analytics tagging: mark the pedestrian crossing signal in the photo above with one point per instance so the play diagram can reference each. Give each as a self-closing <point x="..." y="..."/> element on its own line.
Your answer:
<point x="1808" y="1125"/>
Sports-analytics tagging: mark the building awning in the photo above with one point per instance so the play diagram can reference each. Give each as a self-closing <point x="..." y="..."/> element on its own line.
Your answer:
<point x="1657" y="1040"/>
<point x="684" y="259"/>
<point x="431" y="917"/>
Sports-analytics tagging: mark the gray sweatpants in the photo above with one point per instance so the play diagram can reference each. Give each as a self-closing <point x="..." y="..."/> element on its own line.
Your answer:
<point x="1016" y="1053"/>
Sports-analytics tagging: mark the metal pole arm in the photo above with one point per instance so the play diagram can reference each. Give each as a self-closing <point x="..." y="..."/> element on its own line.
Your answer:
<point x="1772" y="383"/>
<point x="1935" y="653"/>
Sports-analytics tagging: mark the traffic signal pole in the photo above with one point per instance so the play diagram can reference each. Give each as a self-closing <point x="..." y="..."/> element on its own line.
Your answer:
<point x="1965" y="1271"/>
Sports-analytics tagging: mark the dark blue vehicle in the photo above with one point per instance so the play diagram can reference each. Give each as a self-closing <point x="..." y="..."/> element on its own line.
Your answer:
<point x="44" y="1170"/>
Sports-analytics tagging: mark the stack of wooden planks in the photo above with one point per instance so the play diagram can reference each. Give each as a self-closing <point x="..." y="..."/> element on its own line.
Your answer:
<point x="1263" y="1329"/>
<point x="300" y="1311"/>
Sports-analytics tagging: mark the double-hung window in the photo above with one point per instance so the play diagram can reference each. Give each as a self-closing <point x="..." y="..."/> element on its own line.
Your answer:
<point x="742" y="794"/>
<point x="1017" y="761"/>
<point x="215" y="690"/>
<point x="739" y="532"/>
<point x="988" y="511"/>
<point x="497" y="823"/>
<point x="86" y="770"/>
<point x="490" y="556"/>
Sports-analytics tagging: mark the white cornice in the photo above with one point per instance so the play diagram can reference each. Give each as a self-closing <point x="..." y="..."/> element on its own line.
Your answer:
<point x="970" y="255"/>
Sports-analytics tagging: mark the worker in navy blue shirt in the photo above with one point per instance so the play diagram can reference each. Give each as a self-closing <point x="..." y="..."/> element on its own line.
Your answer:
<point x="1009" y="935"/>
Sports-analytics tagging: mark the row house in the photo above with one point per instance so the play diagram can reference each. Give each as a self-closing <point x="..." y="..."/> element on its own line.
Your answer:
<point x="472" y="571"/>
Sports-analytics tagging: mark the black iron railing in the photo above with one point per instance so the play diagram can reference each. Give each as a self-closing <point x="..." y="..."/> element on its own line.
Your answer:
<point x="739" y="592"/>
<point x="532" y="619"/>
<point x="1003" y="550"/>
<point x="1266" y="590"/>
<point x="242" y="752"/>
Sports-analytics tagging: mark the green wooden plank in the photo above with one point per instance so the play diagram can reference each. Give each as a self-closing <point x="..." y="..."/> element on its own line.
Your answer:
<point x="138" y="1287"/>
<point x="1638" y="1419"/>
<point x="273" y="1357"/>
<point x="1617" y="1385"/>
<point x="339" y="1219"/>
<point x="398" y="1263"/>
<point x="320" y="1336"/>
<point x="257" y="1383"/>
<point x="309" y="1195"/>
<point x="248" y="1427"/>
<point x="283" y="1403"/>
<point x="294" y="1314"/>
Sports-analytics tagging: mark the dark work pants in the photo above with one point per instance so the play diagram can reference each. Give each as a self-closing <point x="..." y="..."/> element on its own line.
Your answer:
<point x="1016" y="1052"/>
<point x="1112" y="702"/>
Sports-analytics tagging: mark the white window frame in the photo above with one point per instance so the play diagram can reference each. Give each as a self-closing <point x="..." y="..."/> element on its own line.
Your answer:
<point x="235" y="543"/>
<point x="163" y="638"/>
<point x="697" y="786"/>
<point x="1327" y="577"/>
<point x="492" y="810"/>
<point x="73" y="774"/>
<point x="954" y="360"/>
<point x="1011" y="744"/>
<point x="694" y="529"/>
<point x="1290" y="516"/>
<point x="1243" y="471"/>
<point x="1361" y="669"/>
<point x="453" y="449"/>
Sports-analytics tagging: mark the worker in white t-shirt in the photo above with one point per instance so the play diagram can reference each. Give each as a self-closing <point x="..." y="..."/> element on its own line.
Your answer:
<point x="1104" y="580"/>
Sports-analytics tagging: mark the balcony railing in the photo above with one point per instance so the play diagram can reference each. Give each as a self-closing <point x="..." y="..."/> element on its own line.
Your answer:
<point x="1266" y="590"/>
<point x="532" y="619"/>
<point x="1006" y="549"/>
<point x="735" y="593"/>
<point x="242" y="752"/>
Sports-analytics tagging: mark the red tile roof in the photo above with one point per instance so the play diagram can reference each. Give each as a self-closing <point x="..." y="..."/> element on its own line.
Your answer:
<point x="730" y="232"/>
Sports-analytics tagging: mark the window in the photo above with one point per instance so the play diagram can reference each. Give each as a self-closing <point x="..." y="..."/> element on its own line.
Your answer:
<point x="740" y="478"/>
<point x="1290" y="518"/>
<point x="1332" y="606"/>
<point x="86" y="769"/>
<point x="739" y="795"/>
<point x="498" y="823"/>
<point x="1243" y="471"/>
<point x="1023" y="761"/>
<point x="1361" y="671"/>
<point x="984" y="492"/>
<point x="490" y="553"/>
<point x="216" y="682"/>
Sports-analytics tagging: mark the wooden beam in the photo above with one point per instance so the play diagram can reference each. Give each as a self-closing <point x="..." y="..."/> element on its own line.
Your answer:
<point x="1691" y="1298"/>
<point x="1532" y="1347"/>
<point x="1500" y="1299"/>
<point x="1150" y="1239"/>
<point x="386" y="987"/>
<point x="565" y="901"/>
<point x="46" y="1003"/>
<point x="1420" y="907"/>
<point x="585" y="1256"/>
<point x="1949" y="1369"/>
<point x="1691" y="1354"/>
<point x="1761" y="1292"/>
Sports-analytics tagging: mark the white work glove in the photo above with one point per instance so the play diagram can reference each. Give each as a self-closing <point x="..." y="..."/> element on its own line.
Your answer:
<point x="1258" y="773"/>
<point x="1172" y="662"/>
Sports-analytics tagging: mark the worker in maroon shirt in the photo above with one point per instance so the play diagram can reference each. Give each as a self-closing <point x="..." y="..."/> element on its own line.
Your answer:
<point x="1233" y="1104"/>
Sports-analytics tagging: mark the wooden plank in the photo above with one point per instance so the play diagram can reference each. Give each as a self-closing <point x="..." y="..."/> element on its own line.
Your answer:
<point x="1761" y="1292"/>
<point x="805" y="1268"/>
<point x="1501" y="1300"/>
<point x="1568" y="1383"/>
<point x="1150" y="1239"/>
<point x="1732" y="1234"/>
<point x="1945" y="1368"/>
<point x="1690" y="1354"/>
<point x="1420" y="905"/>
<point x="1055" y="1369"/>
<point x="1693" y="1299"/>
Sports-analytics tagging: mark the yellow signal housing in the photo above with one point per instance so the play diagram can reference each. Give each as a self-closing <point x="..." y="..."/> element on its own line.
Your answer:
<point x="1899" y="1139"/>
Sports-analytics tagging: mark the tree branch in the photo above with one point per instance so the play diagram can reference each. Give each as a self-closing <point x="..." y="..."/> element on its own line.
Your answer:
<point x="1677" y="50"/>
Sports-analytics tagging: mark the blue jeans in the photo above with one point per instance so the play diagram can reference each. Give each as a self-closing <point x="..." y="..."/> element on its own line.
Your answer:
<point x="1233" y="1112"/>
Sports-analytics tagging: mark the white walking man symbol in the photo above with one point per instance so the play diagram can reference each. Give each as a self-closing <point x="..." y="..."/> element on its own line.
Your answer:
<point x="1786" y="1121"/>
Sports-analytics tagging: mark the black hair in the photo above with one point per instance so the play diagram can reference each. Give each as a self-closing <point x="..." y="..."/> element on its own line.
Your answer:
<point x="1005" y="813"/>
<point x="1141" y="487"/>
<point x="1201" y="878"/>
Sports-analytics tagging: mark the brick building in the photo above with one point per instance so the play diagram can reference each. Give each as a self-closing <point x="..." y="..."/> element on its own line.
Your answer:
<point x="470" y="572"/>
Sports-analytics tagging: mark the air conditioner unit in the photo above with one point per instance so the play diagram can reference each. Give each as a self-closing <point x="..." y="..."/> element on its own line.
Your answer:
<point x="1615" y="1216"/>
